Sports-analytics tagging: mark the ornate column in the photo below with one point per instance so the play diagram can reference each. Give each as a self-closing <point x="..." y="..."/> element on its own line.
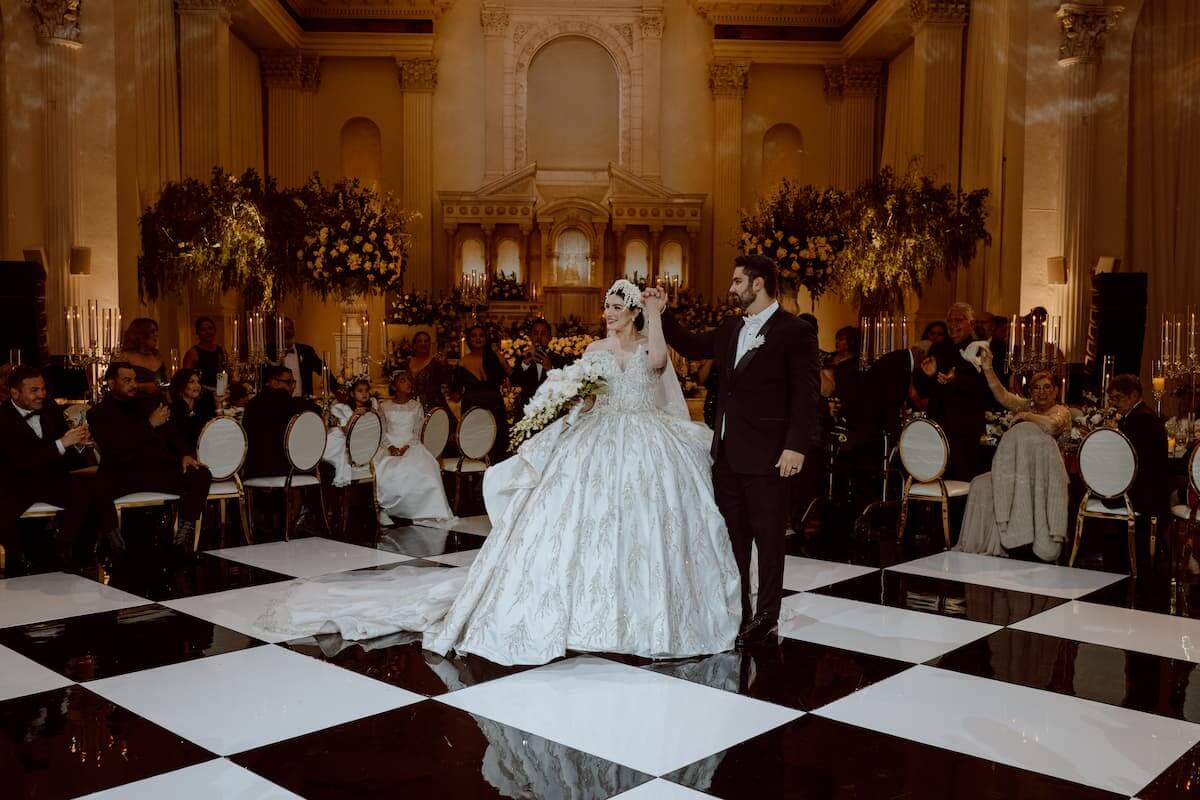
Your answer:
<point x="860" y="104"/>
<point x="652" y="30"/>
<point x="494" y="20"/>
<point x="835" y="85"/>
<point x="728" y="83"/>
<point x="204" y="85"/>
<point x="1083" y="27"/>
<point x="937" y="77"/>
<point x="292" y="78"/>
<point x="418" y="79"/>
<point x="56" y="23"/>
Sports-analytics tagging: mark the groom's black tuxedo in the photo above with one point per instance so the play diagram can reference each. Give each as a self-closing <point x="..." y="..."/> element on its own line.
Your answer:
<point x="767" y="402"/>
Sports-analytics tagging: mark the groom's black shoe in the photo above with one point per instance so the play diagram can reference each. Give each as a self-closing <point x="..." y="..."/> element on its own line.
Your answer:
<point x="762" y="628"/>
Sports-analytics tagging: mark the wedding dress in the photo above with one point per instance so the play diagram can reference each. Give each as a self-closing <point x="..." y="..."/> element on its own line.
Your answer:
<point x="605" y="538"/>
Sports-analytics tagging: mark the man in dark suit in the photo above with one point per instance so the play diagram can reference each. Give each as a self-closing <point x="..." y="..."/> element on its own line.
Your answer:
<point x="1151" y="490"/>
<point x="266" y="421"/>
<point x="533" y="364"/>
<point x="140" y="451"/>
<point x="885" y="394"/>
<point x="958" y="393"/>
<point x="767" y="422"/>
<point x="37" y="452"/>
<point x="301" y="359"/>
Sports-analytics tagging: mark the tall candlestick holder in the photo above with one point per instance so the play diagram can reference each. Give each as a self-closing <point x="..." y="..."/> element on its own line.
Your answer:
<point x="1179" y="364"/>
<point x="93" y="342"/>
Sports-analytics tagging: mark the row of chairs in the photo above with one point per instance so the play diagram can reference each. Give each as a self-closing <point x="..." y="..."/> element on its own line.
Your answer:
<point x="223" y="444"/>
<point x="1107" y="466"/>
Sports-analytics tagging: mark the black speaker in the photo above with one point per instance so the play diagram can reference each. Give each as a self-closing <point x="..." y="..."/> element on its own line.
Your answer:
<point x="1118" y="321"/>
<point x="23" y="311"/>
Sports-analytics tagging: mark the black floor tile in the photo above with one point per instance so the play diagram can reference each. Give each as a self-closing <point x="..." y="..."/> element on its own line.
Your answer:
<point x="822" y="759"/>
<point x="790" y="673"/>
<point x="1181" y="781"/>
<point x="164" y="576"/>
<point x="429" y="750"/>
<point x="70" y="742"/>
<point x="1124" y="678"/>
<point x="400" y="661"/>
<point x="939" y="596"/>
<point x="422" y="542"/>
<point x="111" y="643"/>
<point x="1152" y="593"/>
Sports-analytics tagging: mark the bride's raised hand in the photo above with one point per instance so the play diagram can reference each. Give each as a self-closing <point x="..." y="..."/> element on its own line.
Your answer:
<point x="653" y="301"/>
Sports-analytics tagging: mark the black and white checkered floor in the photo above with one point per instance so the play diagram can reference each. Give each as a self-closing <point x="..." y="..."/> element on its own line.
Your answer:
<point x="945" y="676"/>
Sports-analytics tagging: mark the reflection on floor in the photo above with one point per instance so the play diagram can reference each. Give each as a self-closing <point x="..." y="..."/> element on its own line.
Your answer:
<point x="901" y="672"/>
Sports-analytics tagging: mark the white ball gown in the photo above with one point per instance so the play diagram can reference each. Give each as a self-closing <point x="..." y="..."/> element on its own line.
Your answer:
<point x="605" y="538"/>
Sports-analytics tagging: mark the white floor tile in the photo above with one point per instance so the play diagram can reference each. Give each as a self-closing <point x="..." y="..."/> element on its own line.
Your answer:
<point x="20" y="676"/>
<point x="55" y="595"/>
<point x="237" y="609"/>
<point x="1099" y="745"/>
<point x="897" y="633"/>
<point x="307" y="558"/>
<point x="659" y="789"/>
<point x="632" y="716"/>
<point x="1010" y="573"/>
<point x="212" y="779"/>
<point x="237" y="701"/>
<point x="806" y="574"/>
<point x="462" y="559"/>
<point x="1141" y="631"/>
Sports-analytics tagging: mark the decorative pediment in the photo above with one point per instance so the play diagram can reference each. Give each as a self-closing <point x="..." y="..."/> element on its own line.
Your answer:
<point x="817" y="13"/>
<point x="507" y="200"/>
<point x="640" y="201"/>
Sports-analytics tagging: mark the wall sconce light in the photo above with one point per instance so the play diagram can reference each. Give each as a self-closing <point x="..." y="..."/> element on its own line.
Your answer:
<point x="81" y="261"/>
<point x="1056" y="271"/>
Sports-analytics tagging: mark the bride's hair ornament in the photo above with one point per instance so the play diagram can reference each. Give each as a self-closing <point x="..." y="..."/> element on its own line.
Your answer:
<point x="629" y="293"/>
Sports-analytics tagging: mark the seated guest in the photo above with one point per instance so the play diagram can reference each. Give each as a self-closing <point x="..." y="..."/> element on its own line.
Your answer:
<point x="141" y="452"/>
<point x="408" y="477"/>
<point x="206" y="355"/>
<point x="480" y="376"/>
<point x="957" y="392"/>
<point x="139" y="348"/>
<point x="266" y="421"/>
<point x="430" y="375"/>
<point x="341" y="415"/>
<point x="301" y="359"/>
<point x="191" y="406"/>
<point x="37" y="451"/>
<point x="1043" y="409"/>
<point x="534" y="363"/>
<point x="1150" y="493"/>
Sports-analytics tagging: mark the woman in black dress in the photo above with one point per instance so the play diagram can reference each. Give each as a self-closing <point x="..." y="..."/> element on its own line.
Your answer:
<point x="191" y="406"/>
<point x="428" y="372"/>
<point x="206" y="355"/>
<point x="481" y="375"/>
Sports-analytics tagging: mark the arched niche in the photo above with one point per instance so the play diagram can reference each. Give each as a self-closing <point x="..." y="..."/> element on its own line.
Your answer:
<point x="573" y="112"/>
<point x="782" y="154"/>
<point x="670" y="263"/>
<point x="472" y="259"/>
<point x="362" y="151"/>
<point x="508" y="259"/>
<point x="572" y="258"/>
<point x="637" y="260"/>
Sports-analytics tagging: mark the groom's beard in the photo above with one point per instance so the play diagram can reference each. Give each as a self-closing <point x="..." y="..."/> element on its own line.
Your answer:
<point x="742" y="300"/>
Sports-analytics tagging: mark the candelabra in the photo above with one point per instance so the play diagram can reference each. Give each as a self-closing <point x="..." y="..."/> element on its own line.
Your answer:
<point x="1035" y="346"/>
<point x="1179" y="363"/>
<point x="249" y="362"/>
<point x="880" y="336"/>
<point x="101" y="330"/>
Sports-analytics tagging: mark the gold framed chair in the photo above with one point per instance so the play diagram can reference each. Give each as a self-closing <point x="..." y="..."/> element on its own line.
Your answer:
<point x="1108" y="466"/>
<point x="304" y="442"/>
<point x="1185" y="518"/>
<point x="222" y="448"/>
<point x="476" y="435"/>
<point x="35" y="511"/>
<point x="363" y="439"/>
<point x="924" y="452"/>
<point x="435" y="432"/>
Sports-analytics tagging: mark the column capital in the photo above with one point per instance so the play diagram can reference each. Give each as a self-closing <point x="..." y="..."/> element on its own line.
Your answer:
<point x="939" y="11"/>
<point x="863" y="77"/>
<point x="56" y="20"/>
<point x="418" y="74"/>
<point x="222" y="8"/>
<point x="835" y="81"/>
<point x="652" y="25"/>
<point x="1082" y="29"/>
<point x="728" y="78"/>
<point x="494" y="20"/>
<point x="290" y="69"/>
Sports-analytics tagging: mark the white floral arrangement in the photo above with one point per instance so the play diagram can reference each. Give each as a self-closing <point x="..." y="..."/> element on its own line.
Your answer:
<point x="1090" y="420"/>
<point x="556" y="396"/>
<point x="1183" y="428"/>
<point x="998" y="423"/>
<point x="571" y="346"/>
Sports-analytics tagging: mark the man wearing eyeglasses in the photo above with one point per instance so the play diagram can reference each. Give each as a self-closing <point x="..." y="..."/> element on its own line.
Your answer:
<point x="266" y="421"/>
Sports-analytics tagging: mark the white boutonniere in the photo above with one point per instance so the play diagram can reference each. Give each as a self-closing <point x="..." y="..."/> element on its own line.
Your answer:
<point x="758" y="341"/>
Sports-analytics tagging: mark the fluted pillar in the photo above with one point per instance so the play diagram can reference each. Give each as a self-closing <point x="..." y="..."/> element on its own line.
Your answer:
<point x="652" y="31"/>
<point x="728" y="81"/>
<point x="292" y="78"/>
<point x="494" y="20"/>
<point x="56" y="23"/>
<point x="860" y="104"/>
<point x="418" y="79"/>
<point x="204" y="85"/>
<point x="1083" y="26"/>
<point x="835" y="85"/>
<point x="937" y="78"/>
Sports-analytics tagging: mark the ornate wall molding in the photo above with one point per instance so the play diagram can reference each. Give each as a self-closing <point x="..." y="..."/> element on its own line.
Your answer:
<point x="952" y="12"/>
<point x="224" y="8"/>
<point x="862" y="77"/>
<point x="1083" y="29"/>
<point x="418" y="74"/>
<point x="370" y="9"/>
<point x="652" y="26"/>
<point x="821" y="13"/>
<point x="290" y="69"/>
<point x="729" y="78"/>
<point x="835" y="81"/>
<point x="495" y="20"/>
<point x="56" y="20"/>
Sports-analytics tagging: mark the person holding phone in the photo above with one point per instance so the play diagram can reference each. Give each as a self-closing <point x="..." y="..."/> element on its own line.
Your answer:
<point x="535" y="362"/>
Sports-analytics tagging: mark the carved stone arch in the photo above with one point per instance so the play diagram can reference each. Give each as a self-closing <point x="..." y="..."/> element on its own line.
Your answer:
<point x="625" y="60"/>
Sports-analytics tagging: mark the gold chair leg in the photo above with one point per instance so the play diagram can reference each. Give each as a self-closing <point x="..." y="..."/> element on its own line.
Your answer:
<point x="244" y="510"/>
<point x="3" y="558"/>
<point x="1079" y="518"/>
<point x="199" y="528"/>
<point x="287" y="514"/>
<point x="946" y="521"/>
<point x="457" y="491"/>
<point x="900" y="527"/>
<point x="324" y="514"/>
<point x="221" y="511"/>
<point x="1153" y="538"/>
<point x="1132" y="528"/>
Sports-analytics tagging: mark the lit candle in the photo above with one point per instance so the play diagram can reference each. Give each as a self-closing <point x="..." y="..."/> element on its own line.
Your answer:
<point x="384" y="347"/>
<point x="1159" y="383"/>
<point x="280" y="344"/>
<point x="878" y="336"/>
<point x="70" y="336"/>
<point x="237" y="342"/>
<point x="92" y="325"/>
<point x="904" y="331"/>
<point x="342" y="346"/>
<point x="1178" y="341"/>
<point x="1019" y="341"/>
<point x="1192" y="333"/>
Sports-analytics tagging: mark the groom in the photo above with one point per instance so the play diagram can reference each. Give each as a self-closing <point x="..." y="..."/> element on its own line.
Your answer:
<point x="766" y="421"/>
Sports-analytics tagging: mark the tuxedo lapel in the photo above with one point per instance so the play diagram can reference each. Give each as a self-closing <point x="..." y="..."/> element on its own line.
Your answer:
<point x="17" y="420"/>
<point x="733" y="344"/>
<point x="750" y="354"/>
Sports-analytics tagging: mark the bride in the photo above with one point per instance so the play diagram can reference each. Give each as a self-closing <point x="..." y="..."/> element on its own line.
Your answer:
<point x="605" y="535"/>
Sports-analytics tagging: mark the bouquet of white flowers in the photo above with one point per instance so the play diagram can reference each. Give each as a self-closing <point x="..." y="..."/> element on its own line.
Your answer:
<point x="555" y="397"/>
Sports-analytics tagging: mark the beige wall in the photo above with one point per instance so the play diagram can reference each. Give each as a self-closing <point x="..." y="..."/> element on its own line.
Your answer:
<point x="574" y="106"/>
<point x="795" y="95"/>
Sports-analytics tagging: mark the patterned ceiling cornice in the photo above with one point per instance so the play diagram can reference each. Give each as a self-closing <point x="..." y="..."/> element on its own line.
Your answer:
<point x="822" y="13"/>
<point x="369" y="9"/>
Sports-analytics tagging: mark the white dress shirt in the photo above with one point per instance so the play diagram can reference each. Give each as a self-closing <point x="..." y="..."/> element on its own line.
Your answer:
<point x="750" y="329"/>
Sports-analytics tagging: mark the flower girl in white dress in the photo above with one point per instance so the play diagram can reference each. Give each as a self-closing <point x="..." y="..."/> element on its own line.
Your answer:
<point x="408" y="475"/>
